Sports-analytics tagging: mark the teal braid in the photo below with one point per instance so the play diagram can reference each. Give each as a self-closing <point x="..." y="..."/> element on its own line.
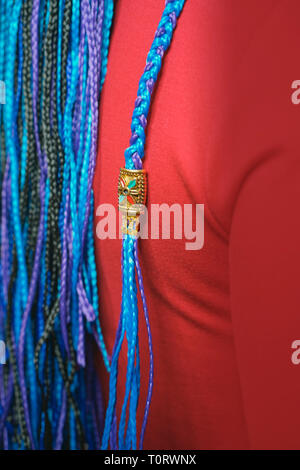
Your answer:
<point x="10" y="144"/>
<point x="48" y="279"/>
<point x="108" y="16"/>
<point x="113" y="378"/>
<point x="161" y="43"/>
<point x="131" y="315"/>
<point x="130" y="264"/>
<point x="71" y="173"/>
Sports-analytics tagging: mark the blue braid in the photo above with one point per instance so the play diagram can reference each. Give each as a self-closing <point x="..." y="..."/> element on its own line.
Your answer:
<point x="130" y="312"/>
<point x="108" y="15"/>
<point x="130" y="265"/>
<point x="147" y="81"/>
<point x="32" y="281"/>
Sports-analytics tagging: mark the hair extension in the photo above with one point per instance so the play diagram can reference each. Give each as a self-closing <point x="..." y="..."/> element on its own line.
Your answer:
<point x="127" y="439"/>
<point x="53" y="66"/>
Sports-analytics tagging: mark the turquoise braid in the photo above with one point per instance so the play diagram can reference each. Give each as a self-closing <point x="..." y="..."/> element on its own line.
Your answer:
<point x="108" y="16"/>
<point x="162" y="41"/>
<point x="10" y="144"/>
<point x="130" y="264"/>
<point x="48" y="278"/>
<point x="130" y="311"/>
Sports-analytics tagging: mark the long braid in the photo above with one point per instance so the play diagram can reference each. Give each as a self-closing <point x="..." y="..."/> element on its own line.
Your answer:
<point x="19" y="252"/>
<point x="64" y="52"/>
<point x="47" y="149"/>
<point x="48" y="295"/>
<point x="130" y="265"/>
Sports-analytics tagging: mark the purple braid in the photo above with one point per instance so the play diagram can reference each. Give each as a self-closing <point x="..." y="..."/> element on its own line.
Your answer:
<point x="61" y="422"/>
<point x="64" y="273"/>
<point x="39" y="244"/>
<point x="146" y="314"/>
<point x="92" y="40"/>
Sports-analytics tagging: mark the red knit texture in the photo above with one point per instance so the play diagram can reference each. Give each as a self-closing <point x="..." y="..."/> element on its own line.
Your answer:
<point x="222" y="132"/>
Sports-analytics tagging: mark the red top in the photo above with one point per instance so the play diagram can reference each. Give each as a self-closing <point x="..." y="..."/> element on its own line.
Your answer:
<point x="223" y="132"/>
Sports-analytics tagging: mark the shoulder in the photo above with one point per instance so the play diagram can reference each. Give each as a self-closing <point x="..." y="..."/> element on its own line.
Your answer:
<point x="258" y="118"/>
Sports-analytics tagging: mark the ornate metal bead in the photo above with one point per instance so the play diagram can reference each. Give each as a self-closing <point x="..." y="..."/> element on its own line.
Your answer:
<point x="132" y="189"/>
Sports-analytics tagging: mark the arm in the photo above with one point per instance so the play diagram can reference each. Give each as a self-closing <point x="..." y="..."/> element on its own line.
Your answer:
<point x="265" y="300"/>
<point x="254" y="173"/>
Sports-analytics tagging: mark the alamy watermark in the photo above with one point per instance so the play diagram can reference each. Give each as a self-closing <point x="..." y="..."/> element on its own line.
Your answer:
<point x="157" y="222"/>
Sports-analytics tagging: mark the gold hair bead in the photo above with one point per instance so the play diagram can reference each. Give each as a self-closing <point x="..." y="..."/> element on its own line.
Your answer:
<point x="132" y="189"/>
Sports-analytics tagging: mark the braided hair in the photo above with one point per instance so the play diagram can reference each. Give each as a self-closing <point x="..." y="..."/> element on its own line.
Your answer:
<point x="53" y="66"/>
<point x="131" y="273"/>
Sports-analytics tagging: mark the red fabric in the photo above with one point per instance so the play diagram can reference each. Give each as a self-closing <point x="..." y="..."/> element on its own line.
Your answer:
<point x="223" y="132"/>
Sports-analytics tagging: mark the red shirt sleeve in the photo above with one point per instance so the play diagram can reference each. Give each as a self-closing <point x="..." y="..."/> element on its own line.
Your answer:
<point x="255" y="167"/>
